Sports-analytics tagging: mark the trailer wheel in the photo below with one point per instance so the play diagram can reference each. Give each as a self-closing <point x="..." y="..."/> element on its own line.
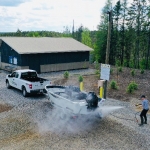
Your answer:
<point x="24" y="92"/>
<point x="8" y="85"/>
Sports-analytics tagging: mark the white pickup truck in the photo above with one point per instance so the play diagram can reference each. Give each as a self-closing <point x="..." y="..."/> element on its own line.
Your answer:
<point x="27" y="81"/>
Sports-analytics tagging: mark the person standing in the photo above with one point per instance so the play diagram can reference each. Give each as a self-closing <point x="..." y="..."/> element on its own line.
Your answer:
<point x="145" y="105"/>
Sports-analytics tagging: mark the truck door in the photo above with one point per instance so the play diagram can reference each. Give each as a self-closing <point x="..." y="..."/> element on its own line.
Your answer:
<point x="17" y="81"/>
<point x="12" y="80"/>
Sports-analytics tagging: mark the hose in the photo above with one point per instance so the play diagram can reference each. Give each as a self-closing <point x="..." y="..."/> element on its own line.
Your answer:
<point x="127" y="118"/>
<point x="136" y="117"/>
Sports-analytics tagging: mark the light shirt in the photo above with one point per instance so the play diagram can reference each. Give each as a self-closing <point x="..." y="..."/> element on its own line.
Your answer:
<point x="145" y="104"/>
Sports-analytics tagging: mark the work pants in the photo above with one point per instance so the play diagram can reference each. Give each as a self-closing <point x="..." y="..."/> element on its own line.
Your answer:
<point x="143" y="116"/>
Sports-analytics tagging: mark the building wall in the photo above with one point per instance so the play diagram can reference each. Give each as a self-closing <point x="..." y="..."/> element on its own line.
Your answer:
<point x="7" y="53"/>
<point x="63" y="66"/>
<point x="44" y="62"/>
<point x="0" y="60"/>
<point x="48" y="62"/>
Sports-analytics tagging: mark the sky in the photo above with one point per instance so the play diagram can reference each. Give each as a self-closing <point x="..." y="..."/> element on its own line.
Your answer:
<point x="49" y="15"/>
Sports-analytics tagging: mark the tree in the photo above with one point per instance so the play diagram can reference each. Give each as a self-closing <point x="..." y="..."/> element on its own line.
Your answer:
<point x="101" y="42"/>
<point x="85" y="37"/>
<point x="116" y="30"/>
<point x="18" y="33"/>
<point x="137" y="12"/>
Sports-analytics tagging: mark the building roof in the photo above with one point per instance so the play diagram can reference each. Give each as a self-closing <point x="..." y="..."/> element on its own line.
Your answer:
<point x="31" y="45"/>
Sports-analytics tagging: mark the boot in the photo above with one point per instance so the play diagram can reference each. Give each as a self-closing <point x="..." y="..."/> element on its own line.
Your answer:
<point x="141" y="121"/>
<point x="145" y="120"/>
<point x="141" y="124"/>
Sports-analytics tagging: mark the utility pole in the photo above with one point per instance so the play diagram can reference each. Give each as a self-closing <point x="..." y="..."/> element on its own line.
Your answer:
<point x="108" y="47"/>
<point x="73" y="29"/>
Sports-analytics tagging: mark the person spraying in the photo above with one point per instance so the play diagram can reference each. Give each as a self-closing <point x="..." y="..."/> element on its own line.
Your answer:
<point x="145" y="105"/>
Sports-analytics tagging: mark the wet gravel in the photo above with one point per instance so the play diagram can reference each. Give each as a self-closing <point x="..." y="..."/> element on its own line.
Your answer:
<point x="33" y="124"/>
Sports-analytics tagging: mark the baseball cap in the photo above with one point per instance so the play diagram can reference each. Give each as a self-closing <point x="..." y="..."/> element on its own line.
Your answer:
<point x="142" y="96"/>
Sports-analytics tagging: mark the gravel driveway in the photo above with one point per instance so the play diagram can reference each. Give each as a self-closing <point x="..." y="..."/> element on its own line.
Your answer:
<point x="32" y="124"/>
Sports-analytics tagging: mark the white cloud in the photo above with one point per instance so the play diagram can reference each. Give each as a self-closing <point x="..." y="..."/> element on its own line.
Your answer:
<point x="50" y="15"/>
<point x="10" y="3"/>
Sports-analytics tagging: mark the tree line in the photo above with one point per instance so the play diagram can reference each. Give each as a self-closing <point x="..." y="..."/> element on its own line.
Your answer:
<point x="130" y="34"/>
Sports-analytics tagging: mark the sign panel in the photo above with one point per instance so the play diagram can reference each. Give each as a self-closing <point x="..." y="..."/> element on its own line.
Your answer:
<point x="105" y="71"/>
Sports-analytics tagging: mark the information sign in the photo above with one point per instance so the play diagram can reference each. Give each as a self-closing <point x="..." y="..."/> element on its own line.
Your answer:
<point x="105" y="71"/>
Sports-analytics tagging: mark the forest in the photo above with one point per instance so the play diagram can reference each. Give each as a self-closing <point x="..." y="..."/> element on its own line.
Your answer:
<point x="129" y="40"/>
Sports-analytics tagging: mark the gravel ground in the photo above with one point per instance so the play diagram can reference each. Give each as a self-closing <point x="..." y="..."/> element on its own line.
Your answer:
<point x="34" y="125"/>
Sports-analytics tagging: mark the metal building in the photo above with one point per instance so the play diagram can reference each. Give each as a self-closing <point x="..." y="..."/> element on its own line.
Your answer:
<point x="43" y="54"/>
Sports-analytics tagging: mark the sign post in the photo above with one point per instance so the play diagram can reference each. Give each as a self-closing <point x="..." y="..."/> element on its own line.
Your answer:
<point x="105" y="74"/>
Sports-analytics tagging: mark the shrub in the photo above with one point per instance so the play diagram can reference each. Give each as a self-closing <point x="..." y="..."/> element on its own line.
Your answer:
<point x="142" y="71"/>
<point x="133" y="72"/>
<point x="143" y="63"/>
<point x="113" y="85"/>
<point x="135" y="86"/>
<point x="111" y="71"/>
<point x="66" y="74"/>
<point x="120" y="69"/>
<point x="117" y="63"/>
<point x="97" y="65"/>
<point x="132" y="87"/>
<point x="80" y="78"/>
<point x="97" y="72"/>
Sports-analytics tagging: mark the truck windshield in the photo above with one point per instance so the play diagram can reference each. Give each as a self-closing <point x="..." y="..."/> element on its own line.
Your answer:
<point x="28" y="75"/>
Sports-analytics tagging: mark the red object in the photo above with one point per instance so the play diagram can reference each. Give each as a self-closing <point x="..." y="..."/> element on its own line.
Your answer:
<point x="30" y="86"/>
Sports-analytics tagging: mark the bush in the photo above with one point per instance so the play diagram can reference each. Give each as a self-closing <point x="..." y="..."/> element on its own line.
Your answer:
<point x="80" y="79"/>
<point x="132" y="87"/>
<point x="111" y="71"/>
<point x="117" y="63"/>
<point x="97" y="72"/>
<point x="97" y="65"/>
<point x="120" y="69"/>
<point x="133" y="73"/>
<point x="142" y="71"/>
<point x="66" y="74"/>
<point x="135" y="86"/>
<point x="113" y="85"/>
<point x="143" y="63"/>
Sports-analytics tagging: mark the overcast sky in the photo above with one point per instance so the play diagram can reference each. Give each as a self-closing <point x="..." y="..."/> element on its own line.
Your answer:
<point x="50" y="15"/>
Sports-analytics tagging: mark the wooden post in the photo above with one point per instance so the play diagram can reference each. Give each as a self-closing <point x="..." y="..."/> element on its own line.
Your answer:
<point x="108" y="48"/>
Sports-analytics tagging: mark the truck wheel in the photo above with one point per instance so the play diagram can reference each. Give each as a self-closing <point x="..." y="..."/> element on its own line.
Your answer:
<point x="24" y="92"/>
<point x="8" y="85"/>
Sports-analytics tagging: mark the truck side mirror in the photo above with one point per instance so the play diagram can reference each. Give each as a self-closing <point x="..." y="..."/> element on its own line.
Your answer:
<point x="9" y="75"/>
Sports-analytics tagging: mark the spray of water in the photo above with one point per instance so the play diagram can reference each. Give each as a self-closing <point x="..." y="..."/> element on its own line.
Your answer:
<point x="58" y="121"/>
<point x="106" y="110"/>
